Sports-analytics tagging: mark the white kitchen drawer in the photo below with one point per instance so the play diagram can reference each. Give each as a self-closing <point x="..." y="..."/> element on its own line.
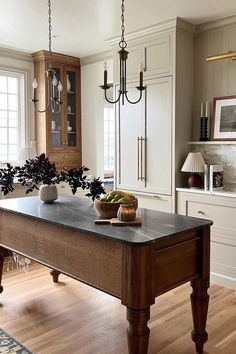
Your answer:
<point x="155" y="202"/>
<point x="222" y="211"/>
<point x="222" y="216"/>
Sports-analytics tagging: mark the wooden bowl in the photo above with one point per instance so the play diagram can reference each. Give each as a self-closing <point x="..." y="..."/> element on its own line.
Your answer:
<point x="109" y="210"/>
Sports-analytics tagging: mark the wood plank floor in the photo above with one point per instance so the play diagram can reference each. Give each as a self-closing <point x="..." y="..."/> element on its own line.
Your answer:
<point x="70" y="317"/>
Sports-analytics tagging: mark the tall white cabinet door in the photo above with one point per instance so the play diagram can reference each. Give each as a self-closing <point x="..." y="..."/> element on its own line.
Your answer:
<point x="158" y="135"/>
<point x="130" y="127"/>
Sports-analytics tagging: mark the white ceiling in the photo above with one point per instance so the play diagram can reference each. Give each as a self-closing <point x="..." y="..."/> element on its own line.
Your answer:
<point x="82" y="26"/>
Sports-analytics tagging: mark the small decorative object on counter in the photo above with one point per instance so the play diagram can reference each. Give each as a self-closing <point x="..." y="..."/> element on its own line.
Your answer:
<point x="48" y="193"/>
<point x="194" y="164"/>
<point x="69" y="109"/>
<point x="126" y="212"/>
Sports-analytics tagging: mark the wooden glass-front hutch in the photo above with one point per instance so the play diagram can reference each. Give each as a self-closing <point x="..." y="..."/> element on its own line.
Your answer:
<point x="58" y="134"/>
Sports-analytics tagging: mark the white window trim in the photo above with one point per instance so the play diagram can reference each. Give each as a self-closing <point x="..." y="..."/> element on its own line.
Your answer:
<point x="21" y="105"/>
<point x="27" y="112"/>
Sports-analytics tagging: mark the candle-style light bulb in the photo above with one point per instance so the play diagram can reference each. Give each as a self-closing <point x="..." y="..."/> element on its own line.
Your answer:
<point x="54" y="85"/>
<point x="105" y="65"/>
<point x="141" y="67"/>
<point x="54" y="80"/>
<point x="105" y="73"/>
<point x="141" y="70"/>
<point x="60" y="88"/>
<point x="34" y="83"/>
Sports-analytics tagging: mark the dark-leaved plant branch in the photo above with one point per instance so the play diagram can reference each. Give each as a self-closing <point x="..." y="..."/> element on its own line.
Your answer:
<point x="40" y="170"/>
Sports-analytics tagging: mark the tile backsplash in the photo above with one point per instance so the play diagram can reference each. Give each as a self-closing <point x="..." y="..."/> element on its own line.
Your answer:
<point x="220" y="154"/>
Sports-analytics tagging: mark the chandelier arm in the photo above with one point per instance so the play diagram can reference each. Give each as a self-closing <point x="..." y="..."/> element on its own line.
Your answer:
<point x="139" y="99"/>
<point x="112" y="102"/>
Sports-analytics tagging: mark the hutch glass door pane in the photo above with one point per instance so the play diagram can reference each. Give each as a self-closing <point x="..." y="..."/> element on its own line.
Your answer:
<point x="71" y="108"/>
<point x="56" y="124"/>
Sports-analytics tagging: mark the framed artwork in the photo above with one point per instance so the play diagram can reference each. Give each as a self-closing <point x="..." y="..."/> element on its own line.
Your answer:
<point x="224" y="118"/>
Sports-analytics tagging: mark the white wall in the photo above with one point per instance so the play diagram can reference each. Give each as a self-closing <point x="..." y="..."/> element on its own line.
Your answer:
<point x="21" y="62"/>
<point x="92" y="115"/>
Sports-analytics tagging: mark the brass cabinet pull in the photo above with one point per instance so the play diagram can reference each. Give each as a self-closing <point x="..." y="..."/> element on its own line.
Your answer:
<point x="138" y="139"/>
<point x="201" y="212"/>
<point x="143" y="151"/>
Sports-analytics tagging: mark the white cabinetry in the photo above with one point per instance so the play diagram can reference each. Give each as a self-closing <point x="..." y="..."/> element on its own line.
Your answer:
<point x="150" y="149"/>
<point x="221" y="209"/>
<point x="144" y="135"/>
<point x="155" y="54"/>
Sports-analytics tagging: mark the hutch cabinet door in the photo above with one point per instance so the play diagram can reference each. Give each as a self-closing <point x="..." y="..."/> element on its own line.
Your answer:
<point x="55" y="123"/>
<point x="72" y="124"/>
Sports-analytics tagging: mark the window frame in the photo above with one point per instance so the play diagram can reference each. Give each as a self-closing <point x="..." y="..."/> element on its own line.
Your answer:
<point x="22" y="120"/>
<point x="108" y="173"/>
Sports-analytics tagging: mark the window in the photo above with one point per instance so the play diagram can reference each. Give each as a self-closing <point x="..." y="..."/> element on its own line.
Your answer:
<point x="109" y="140"/>
<point x="11" y="113"/>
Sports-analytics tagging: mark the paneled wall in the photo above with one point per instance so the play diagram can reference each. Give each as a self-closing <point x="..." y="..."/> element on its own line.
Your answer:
<point x="215" y="79"/>
<point x="92" y="98"/>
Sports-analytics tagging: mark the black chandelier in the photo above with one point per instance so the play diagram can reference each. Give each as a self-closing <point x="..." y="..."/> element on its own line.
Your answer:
<point x="123" y="54"/>
<point x="54" y="86"/>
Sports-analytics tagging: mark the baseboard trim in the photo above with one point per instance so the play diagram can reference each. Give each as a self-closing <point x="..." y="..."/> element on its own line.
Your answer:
<point x="223" y="280"/>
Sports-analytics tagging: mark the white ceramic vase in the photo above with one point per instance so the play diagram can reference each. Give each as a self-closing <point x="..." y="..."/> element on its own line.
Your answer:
<point x="68" y="84"/>
<point x="48" y="193"/>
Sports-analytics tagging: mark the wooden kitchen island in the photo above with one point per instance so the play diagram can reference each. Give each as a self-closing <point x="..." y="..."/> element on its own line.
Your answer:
<point x="134" y="264"/>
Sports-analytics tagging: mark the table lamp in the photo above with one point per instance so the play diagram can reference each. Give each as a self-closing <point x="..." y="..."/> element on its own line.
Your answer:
<point x="194" y="163"/>
<point x="26" y="153"/>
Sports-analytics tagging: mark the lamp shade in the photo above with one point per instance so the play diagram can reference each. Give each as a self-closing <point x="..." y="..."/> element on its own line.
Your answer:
<point x="193" y="163"/>
<point x="26" y="153"/>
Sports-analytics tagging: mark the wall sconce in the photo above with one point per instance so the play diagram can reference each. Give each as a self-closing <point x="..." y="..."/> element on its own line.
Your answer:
<point x="228" y="55"/>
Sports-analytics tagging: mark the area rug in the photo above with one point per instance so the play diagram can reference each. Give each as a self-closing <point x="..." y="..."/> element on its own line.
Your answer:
<point x="9" y="345"/>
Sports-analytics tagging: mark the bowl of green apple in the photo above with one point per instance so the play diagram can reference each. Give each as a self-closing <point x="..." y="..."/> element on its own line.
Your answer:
<point x="108" y="206"/>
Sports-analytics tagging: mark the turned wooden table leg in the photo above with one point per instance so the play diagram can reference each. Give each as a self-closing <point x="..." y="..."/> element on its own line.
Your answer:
<point x="138" y="331"/>
<point x="1" y="267"/>
<point x="55" y="274"/>
<point x="199" y="302"/>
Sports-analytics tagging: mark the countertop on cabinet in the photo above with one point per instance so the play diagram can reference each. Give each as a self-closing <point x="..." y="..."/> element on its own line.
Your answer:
<point x="222" y="193"/>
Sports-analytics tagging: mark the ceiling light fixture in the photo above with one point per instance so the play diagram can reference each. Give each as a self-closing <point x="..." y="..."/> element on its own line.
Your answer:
<point x="54" y="86"/>
<point x="123" y="54"/>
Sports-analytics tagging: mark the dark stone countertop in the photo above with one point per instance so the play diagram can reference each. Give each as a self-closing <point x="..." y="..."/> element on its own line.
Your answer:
<point x="79" y="213"/>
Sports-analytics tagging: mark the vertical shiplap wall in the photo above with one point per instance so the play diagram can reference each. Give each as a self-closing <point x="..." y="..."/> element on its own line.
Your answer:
<point x="213" y="79"/>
